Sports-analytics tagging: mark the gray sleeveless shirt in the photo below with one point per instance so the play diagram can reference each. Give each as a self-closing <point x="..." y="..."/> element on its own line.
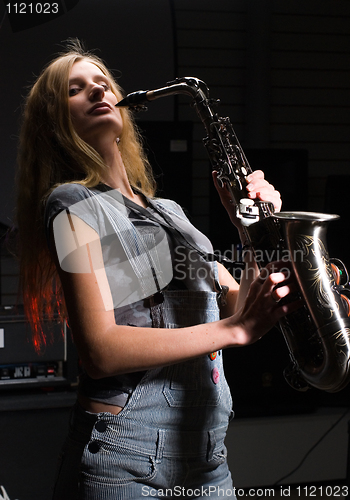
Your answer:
<point x="145" y="251"/>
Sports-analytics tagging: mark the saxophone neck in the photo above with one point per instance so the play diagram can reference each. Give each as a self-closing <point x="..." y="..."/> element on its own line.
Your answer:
<point x="190" y="86"/>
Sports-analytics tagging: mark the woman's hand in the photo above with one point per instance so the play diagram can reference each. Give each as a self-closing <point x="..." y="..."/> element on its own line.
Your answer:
<point x="257" y="187"/>
<point x="263" y="306"/>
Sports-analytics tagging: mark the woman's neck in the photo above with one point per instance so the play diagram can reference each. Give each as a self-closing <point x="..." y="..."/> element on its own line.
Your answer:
<point x="116" y="177"/>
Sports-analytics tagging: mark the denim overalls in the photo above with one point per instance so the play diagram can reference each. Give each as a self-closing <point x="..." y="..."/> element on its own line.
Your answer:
<point x="168" y="441"/>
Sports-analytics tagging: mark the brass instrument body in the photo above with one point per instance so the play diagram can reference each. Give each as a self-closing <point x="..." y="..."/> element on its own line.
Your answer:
<point x="318" y="334"/>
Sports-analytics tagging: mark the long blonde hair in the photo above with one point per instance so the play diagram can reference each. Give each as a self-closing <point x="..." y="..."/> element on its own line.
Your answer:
<point x="52" y="153"/>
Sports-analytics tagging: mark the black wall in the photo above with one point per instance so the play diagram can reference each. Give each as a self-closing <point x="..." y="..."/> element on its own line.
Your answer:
<point x="281" y="70"/>
<point x="135" y="39"/>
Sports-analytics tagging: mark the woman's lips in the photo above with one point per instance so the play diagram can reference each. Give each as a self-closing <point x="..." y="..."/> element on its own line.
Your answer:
<point x="100" y="105"/>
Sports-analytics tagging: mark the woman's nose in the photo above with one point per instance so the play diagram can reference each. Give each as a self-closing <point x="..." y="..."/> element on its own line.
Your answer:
<point x="97" y="91"/>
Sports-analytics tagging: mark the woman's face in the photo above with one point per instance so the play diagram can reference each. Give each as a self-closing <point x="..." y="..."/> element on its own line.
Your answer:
<point x="92" y="103"/>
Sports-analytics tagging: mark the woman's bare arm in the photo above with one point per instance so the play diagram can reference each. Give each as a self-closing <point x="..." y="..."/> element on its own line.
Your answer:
<point x="107" y="349"/>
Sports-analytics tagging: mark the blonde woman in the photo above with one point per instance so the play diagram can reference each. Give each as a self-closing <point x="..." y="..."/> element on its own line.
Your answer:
<point x="145" y="306"/>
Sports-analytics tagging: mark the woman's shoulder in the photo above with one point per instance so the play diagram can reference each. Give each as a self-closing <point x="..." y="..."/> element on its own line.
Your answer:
<point x="74" y="197"/>
<point x="69" y="193"/>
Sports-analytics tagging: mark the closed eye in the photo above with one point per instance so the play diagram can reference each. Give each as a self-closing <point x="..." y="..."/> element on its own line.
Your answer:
<point x="105" y="86"/>
<point x="73" y="91"/>
<point x="76" y="87"/>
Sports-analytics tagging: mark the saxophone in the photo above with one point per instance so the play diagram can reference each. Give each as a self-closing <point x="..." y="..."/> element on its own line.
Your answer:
<point x="318" y="334"/>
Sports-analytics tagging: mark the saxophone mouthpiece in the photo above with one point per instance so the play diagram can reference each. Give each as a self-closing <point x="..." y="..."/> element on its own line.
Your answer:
<point x="134" y="99"/>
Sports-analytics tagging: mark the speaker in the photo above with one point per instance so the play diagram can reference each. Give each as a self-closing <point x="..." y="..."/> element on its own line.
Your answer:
<point x="168" y="146"/>
<point x="21" y="366"/>
<point x="255" y="372"/>
<point x="33" y="428"/>
<point x="255" y="376"/>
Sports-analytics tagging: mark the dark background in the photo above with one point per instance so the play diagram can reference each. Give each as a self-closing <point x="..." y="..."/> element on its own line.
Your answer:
<point x="133" y="37"/>
<point x="282" y="72"/>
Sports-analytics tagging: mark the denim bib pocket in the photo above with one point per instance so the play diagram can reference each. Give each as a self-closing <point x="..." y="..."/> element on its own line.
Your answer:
<point x="190" y="384"/>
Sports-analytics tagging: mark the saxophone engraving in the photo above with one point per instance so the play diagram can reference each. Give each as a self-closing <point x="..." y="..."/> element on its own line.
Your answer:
<point x="318" y="334"/>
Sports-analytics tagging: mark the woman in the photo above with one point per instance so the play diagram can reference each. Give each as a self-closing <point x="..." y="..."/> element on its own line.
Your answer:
<point x="148" y="311"/>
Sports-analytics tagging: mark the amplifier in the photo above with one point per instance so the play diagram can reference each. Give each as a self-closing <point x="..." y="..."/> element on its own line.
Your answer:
<point x="21" y="366"/>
